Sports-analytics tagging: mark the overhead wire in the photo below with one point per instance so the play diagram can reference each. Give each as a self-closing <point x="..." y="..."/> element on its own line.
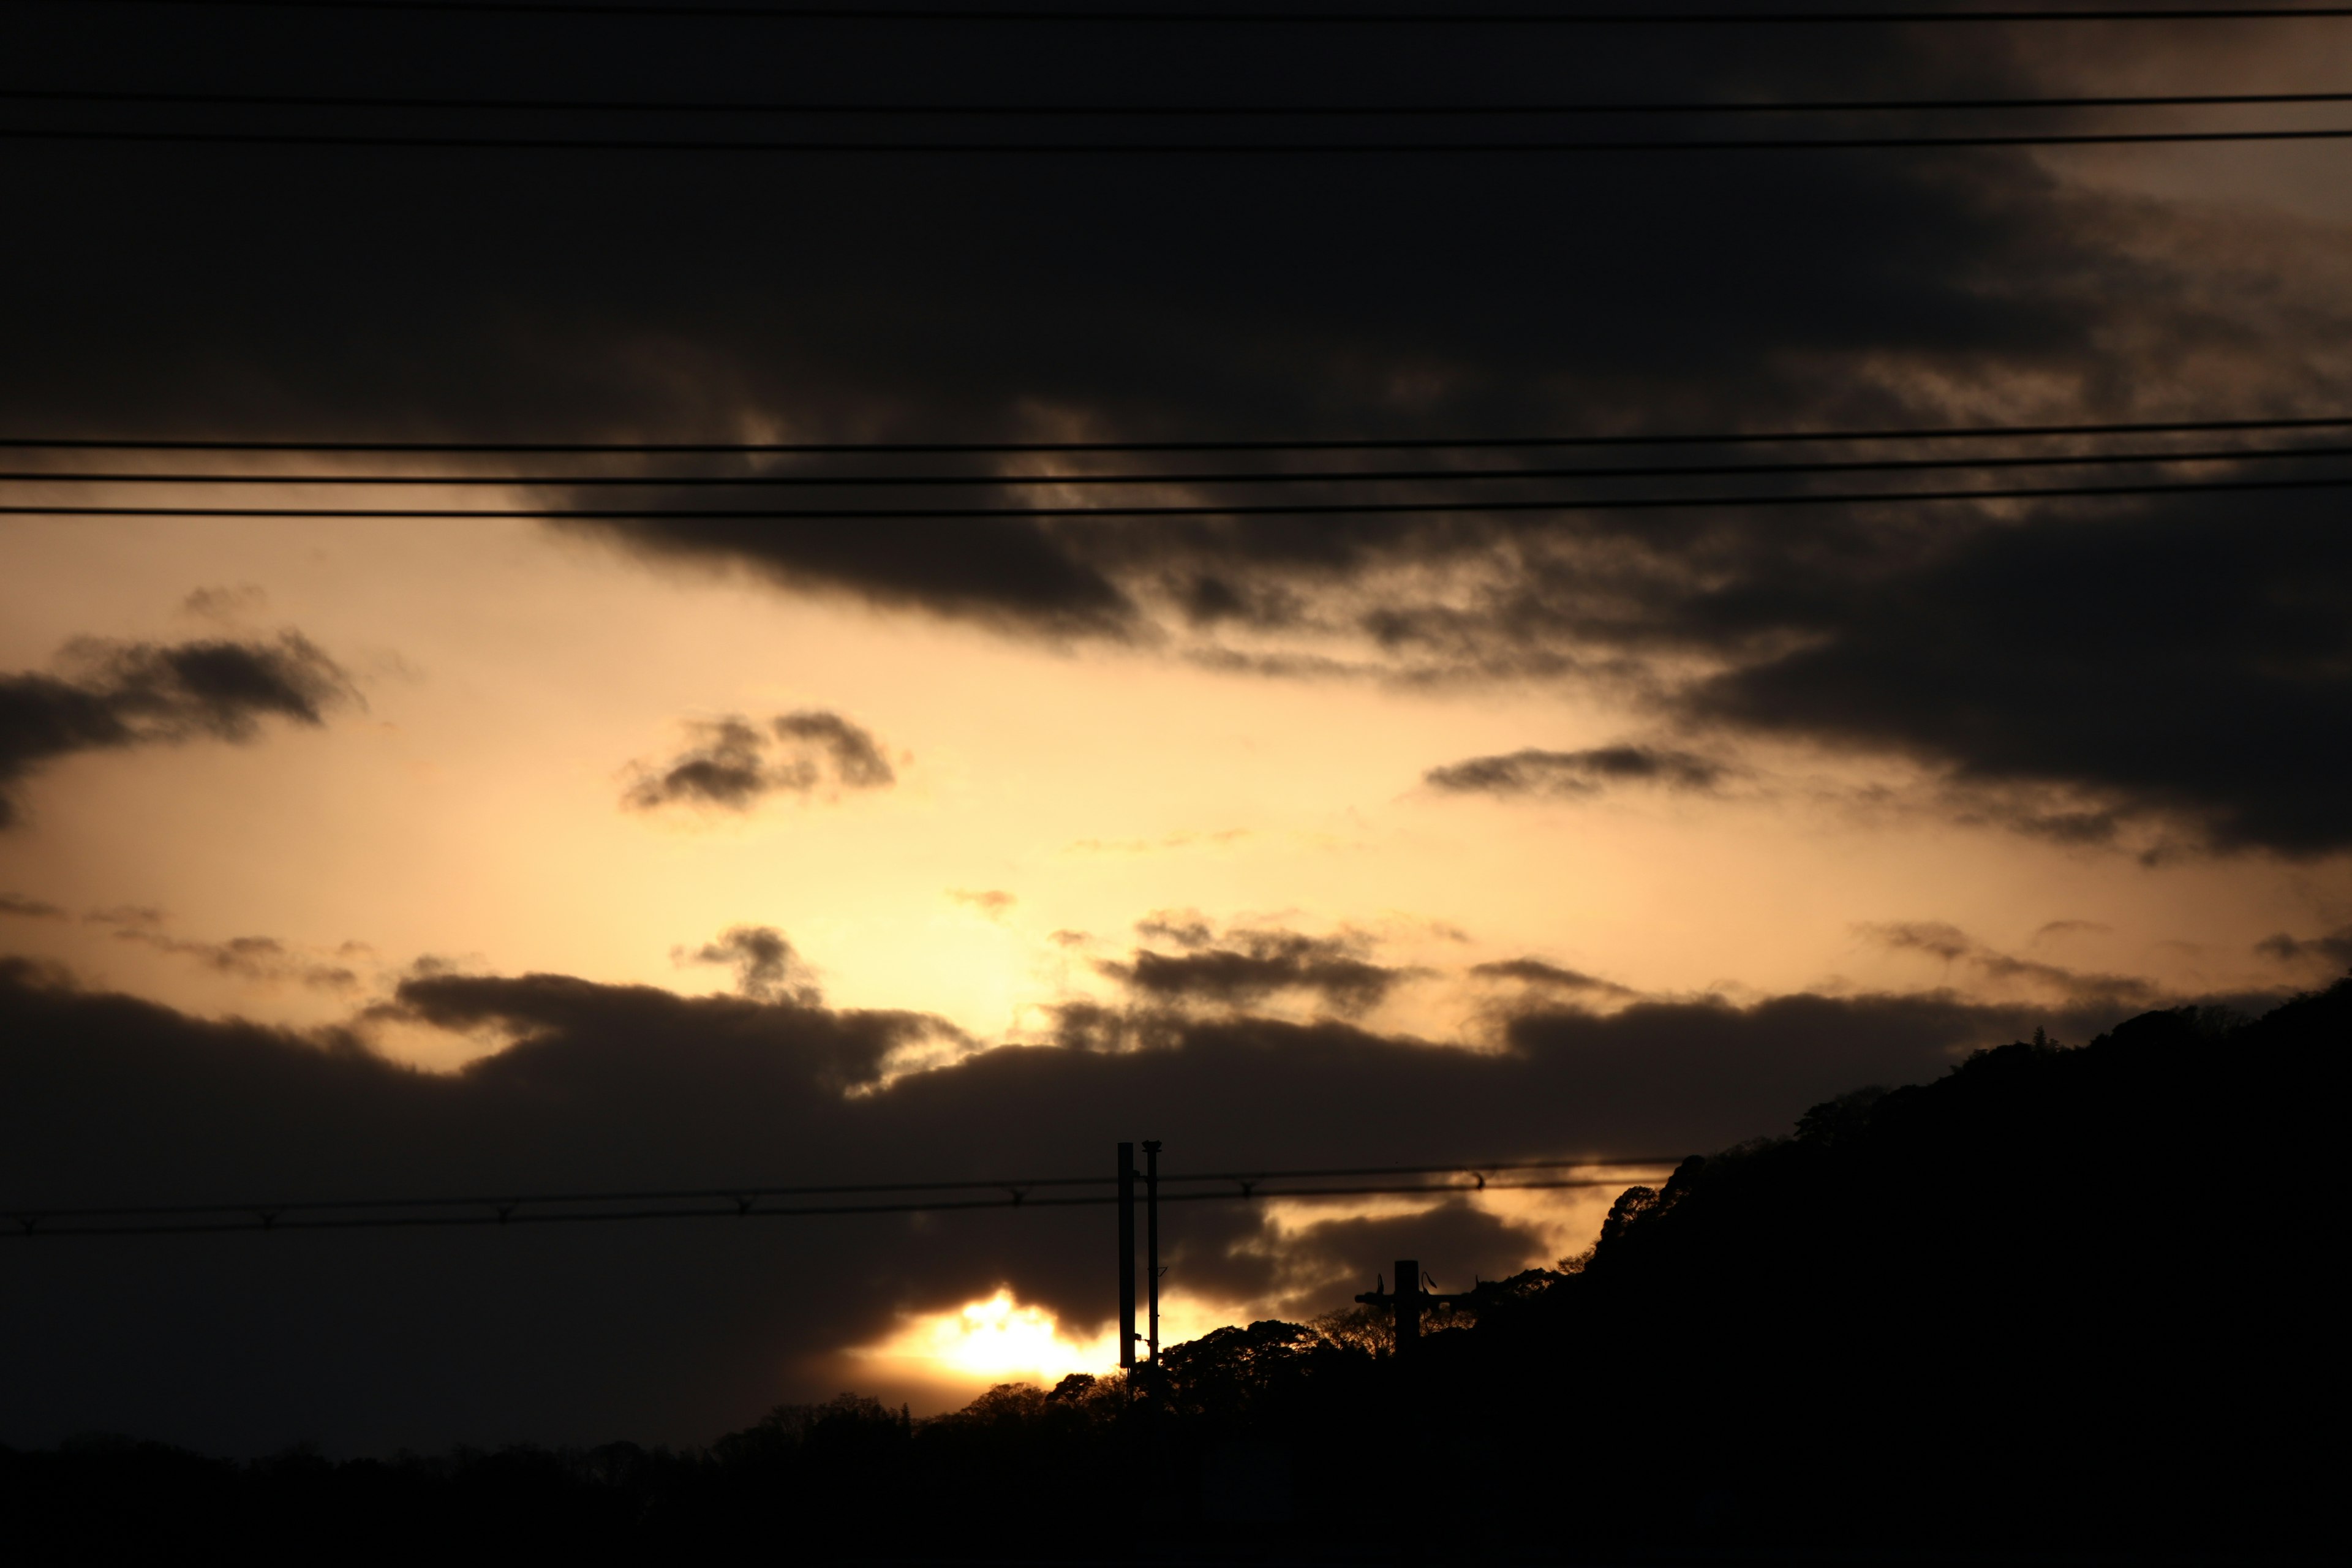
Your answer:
<point x="1201" y="509"/>
<point x="415" y="1222"/>
<point x="1185" y="149"/>
<point x="1307" y="444"/>
<point x="798" y="480"/>
<point x="1060" y="16"/>
<point x="745" y="1202"/>
<point x="1149" y="110"/>
<point x="836" y="1189"/>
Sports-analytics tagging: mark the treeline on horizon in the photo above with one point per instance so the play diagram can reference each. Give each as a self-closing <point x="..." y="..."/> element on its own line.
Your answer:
<point x="2066" y="1300"/>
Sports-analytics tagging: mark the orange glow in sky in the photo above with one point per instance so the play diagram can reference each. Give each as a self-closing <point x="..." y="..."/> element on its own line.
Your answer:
<point x="995" y="1341"/>
<point x="471" y="811"/>
<point x="941" y="1360"/>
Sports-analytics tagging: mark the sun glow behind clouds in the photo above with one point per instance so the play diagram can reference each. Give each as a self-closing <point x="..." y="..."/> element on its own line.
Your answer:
<point x="947" y="1357"/>
<point x="998" y="1341"/>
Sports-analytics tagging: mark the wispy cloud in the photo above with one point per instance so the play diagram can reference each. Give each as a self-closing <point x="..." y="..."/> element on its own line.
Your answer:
<point x="110" y="696"/>
<point x="733" y="764"/>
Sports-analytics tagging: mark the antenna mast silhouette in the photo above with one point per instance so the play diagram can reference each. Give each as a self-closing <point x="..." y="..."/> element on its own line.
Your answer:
<point x="1128" y="1336"/>
<point x="1151" y="1239"/>
<point x="1125" y="1256"/>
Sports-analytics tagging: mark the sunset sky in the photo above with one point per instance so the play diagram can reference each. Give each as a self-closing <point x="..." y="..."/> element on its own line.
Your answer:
<point x="446" y="854"/>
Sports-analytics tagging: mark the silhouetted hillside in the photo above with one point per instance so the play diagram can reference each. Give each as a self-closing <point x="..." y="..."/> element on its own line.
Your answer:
<point x="2061" y="1299"/>
<point x="2059" y="1296"/>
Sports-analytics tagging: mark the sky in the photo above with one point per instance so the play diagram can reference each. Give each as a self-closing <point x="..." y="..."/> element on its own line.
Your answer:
<point x="351" y="857"/>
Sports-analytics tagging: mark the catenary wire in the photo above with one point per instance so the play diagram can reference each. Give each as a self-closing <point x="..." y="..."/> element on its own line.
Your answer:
<point x="1356" y="443"/>
<point x="421" y="1222"/>
<point x="1203" y="510"/>
<point x="1167" y="149"/>
<point x="1147" y="111"/>
<point x="267" y="1221"/>
<point x="830" y="1189"/>
<point x="1272" y="475"/>
<point x="745" y="1203"/>
<point x="1058" y="16"/>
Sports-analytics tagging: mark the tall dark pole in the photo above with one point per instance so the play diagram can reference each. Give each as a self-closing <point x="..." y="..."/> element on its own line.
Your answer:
<point x="1408" y="1304"/>
<point x="1151" y="1235"/>
<point x="1126" y="1256"/>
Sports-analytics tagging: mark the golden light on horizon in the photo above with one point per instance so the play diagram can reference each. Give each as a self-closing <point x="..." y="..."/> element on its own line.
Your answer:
<point x="1044" y="805"/>
<point x="947" y="1357"/>
<point x="997" y="1339"/>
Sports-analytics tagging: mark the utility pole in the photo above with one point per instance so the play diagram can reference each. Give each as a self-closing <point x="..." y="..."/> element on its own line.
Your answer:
<point x="1125" y="1256"/>
<point x="1408" y="1299"/>
<point x="1151" y="1235"/>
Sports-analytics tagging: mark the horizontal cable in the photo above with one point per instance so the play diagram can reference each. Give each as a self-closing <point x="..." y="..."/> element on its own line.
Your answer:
<point x="834" y="1189"/>
<point x="1271" y="476"/>
<point x="1147" y="111"/>
<point x="1356" y="443"/>
<point x="1182" y="149"/>
<point x="1058" y="16"/>
<point x="419" y="1222"/>
<point x="745" y="1202"/>
<point x="1277" y="508"/>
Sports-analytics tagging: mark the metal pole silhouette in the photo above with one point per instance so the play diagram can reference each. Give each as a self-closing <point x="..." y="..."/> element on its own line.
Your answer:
<point x="1126" y="1256"/>
<point x="1408" y="1299"/>
<point x="1151" y="1235"/>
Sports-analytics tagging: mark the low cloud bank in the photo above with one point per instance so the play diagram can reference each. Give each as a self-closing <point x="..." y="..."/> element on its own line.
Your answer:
<point x="675" y="1331"/>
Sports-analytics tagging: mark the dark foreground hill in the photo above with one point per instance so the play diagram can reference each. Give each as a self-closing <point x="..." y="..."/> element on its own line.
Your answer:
<point x="2068" y="1301"/>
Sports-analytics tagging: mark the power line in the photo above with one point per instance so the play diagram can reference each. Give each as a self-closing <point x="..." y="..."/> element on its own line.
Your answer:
<point x="1147" y="111"/>
<point x="1271" y="476"/>
<point x="260" y="1222"/>
<point x="1344" y="443"/>
<point x="1179" y="149"/>
<point x="833" y="1189"/>
<point x="1203" y="510"/>
<point x="1054" y="16"/>
<point x="746" y="1203"/>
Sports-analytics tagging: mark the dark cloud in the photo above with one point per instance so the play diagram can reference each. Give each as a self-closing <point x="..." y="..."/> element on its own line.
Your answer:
<point x="1534" y="971"/>
<point x="1007" y="572"/>
<point x="766" y="967"/>
<point x="257" y="958"/>
<point x="2183" y="659"/>
<point x="728" y="767"/>
<point x="30" y="908"/>
<point x="1576" y="772"/>
<point x="2177" y="661"/>
<point x="1244" y="966"/>
<point x="1177" y="928"/>
<point x="734" y="763"/>
<point x="2335" y="947"/>
<point x="2050" y="929"/>
<point x="225" y="603"/>
<point x="1939" y="939"/>
<point x="677" y="1331"/>
<point x="112" y="695"/>
<point x="858" y="761"/>
<point x="136" y="915"/>
<point x="1320" y="1262"/>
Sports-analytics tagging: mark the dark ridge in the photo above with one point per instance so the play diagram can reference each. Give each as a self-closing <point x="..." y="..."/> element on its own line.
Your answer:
<point x="2061" y="1303"/>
